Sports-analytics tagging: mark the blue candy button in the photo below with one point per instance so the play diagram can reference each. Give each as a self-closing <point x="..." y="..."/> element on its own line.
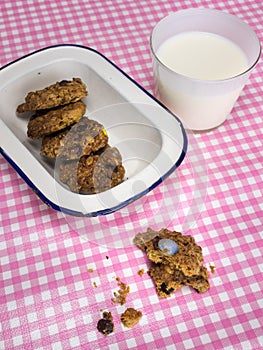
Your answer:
<point x="168" y="246"/>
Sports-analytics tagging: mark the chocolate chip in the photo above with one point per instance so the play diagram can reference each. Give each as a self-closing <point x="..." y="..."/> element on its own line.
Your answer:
<point x="165" y="290"/>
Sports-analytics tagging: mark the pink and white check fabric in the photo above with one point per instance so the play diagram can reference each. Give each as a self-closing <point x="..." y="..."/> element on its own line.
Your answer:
<point x="58" y="273"/>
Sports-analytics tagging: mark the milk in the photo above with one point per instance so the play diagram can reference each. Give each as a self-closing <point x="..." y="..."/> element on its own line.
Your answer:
<point x="203" y="61"/>
<point x="202" y="55"/>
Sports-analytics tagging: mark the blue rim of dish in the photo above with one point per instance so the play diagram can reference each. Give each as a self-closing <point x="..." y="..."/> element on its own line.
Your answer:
<point x="128" y="201"/>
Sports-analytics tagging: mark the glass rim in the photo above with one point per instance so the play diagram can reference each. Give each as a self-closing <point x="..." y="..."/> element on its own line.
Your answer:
<point x="207" y="81"/>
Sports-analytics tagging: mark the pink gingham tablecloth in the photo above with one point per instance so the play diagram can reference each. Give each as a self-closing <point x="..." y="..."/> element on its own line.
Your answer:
<point x="58" y="273"/>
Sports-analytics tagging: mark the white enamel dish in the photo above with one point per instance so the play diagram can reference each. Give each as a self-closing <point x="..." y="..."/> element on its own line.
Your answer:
<point x="151" y="140"/>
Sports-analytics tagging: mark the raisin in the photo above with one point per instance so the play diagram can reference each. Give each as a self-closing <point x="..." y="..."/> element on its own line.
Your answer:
<point x="63" y="82"/>
<point x="155" y="242"/>
<point x="105" y="326"/>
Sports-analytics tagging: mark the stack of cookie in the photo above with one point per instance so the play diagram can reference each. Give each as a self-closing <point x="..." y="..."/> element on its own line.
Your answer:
<point x="88" y="163"/>
<point x="176" y="261"/>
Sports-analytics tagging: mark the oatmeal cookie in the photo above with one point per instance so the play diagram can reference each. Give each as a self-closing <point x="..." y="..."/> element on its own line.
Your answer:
<point x="188" y="259"/>
<point x="85" y="137"/>
<point x="94" y="173"/>
<point x="51" y="144"/>
<point x="176" y="261"/>
<point x="47" y="122"/>
<point x="60" y="93"/>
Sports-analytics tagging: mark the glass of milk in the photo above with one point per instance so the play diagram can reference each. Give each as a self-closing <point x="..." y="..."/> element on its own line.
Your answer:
<point x="202" y="59"/>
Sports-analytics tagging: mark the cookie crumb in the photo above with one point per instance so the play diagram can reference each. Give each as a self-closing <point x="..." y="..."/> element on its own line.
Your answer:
<point x="130" y="317"/>
<point x="121" y="294"/>
<point x="212" y="268"/>
<point x="105" y="324"/>
<point x="90" y="270"/>
<point x="95" y="285"/>
<point x="140" y="272"/>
